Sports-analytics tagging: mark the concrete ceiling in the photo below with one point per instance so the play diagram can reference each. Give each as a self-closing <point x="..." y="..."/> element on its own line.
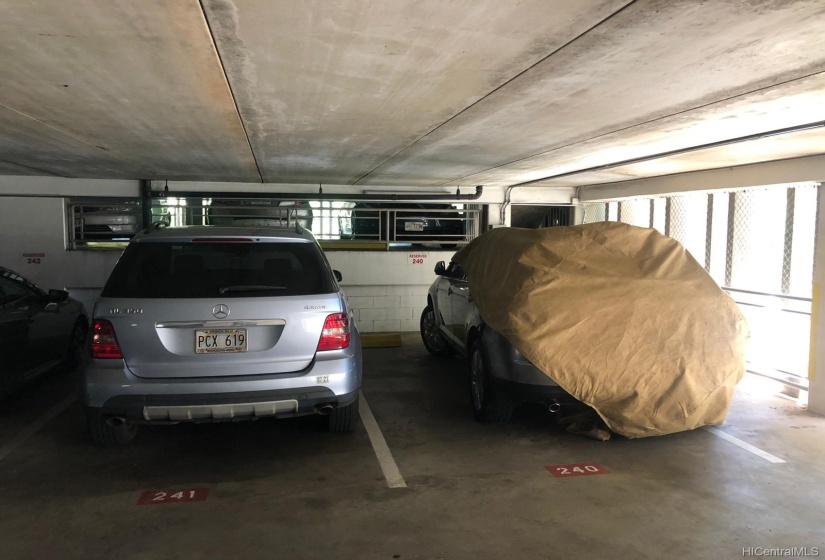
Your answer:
<point x="401" y="93"/>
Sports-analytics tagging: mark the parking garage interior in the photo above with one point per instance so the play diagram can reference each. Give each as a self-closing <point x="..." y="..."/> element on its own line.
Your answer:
<point x="702" y="121"/>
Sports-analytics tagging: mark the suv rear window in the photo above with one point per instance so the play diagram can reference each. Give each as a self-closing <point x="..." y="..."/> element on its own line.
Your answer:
<point x="212" y="269"/>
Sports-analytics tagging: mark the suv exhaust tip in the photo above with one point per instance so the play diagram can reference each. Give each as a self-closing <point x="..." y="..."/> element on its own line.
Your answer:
<point x="324" y="409"/>
<point x="116" y="420"/>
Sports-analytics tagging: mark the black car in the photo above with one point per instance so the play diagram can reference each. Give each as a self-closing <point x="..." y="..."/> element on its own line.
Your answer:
<point x="406" y="222"/>
<point x="39" y="330"/>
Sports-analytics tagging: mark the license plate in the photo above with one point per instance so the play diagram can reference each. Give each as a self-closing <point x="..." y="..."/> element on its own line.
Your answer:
<point x="220" y="341"/>
<point x="413" y="226"/>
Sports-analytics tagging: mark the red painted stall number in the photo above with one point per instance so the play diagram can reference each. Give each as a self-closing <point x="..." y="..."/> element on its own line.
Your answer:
<point x="578" y="469"/>
<point x="173" y="496"/>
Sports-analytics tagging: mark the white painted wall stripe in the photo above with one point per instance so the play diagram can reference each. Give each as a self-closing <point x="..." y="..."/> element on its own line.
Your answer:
<point x="35" y="426"/>
<point x="746" y="446"/>
<point x="379" y="444"/>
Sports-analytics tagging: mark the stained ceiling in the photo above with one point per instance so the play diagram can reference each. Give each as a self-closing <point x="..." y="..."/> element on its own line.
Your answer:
<point x="398" y="93"/>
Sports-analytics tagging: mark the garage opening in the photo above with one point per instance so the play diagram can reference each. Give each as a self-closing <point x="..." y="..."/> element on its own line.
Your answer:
<point x="110" y="223"/>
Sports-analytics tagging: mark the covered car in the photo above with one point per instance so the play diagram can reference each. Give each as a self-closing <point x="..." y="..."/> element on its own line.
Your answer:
<point x="622" y="318"/>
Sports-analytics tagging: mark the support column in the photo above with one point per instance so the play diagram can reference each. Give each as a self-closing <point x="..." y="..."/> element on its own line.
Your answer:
<point x="816" y="367"/>
<point x="146" y="203"/>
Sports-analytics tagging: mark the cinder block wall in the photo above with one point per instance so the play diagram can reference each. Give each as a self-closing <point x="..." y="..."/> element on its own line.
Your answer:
<point x="387" y="289"/>
<point x="387" y="308"/>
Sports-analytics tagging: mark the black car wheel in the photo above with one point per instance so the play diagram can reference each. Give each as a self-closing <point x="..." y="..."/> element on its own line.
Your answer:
<point x="74" y="352"/>
<point x="105" y="432"/>
<point x="489" y="405"/>
<point x="343" y="418"/>
<point x="433" y="340"/>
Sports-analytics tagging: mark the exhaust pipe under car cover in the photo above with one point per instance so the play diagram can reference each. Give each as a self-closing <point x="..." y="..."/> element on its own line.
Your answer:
<point x="116" y="420"/>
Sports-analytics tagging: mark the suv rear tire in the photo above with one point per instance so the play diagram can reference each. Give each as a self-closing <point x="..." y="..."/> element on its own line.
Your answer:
<point x="343" y="418"/>
<point x="488" y="402"/>
<point x="104" y="434"/>
<point x="433" y="340"/>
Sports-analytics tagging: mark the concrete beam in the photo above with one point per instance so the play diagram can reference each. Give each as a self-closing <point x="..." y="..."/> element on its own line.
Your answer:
<point x="19" y="185"/>
<point x="15" y="185"/>
<point x="791" y="171"/>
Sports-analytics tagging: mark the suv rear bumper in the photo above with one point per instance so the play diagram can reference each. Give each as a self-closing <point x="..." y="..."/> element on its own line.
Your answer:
<point x="220" y="406"/>
<point x="333" y="378"/>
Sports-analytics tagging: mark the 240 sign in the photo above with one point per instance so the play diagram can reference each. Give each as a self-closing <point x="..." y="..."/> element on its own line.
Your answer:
<point x="576" y="469"/>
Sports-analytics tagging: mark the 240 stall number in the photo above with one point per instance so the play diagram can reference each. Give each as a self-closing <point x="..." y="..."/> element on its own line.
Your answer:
<point x="579" y="470"/>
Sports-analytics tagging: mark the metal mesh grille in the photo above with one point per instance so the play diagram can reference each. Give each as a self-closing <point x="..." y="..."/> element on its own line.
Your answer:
<point x="756" y="230"/>
<point x="688" y="223"/>
<point x="595" y="212"/>
<point x="659" y="218"/>
<point x="759" y="239"/>
<point x="635" y="212"/>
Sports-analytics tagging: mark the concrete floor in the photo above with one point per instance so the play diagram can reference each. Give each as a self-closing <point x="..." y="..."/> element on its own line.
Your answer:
<point x="283" y="489"/>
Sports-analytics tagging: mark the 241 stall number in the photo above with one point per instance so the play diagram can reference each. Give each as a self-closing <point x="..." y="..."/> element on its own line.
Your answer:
<point x="173" y="496"/>
<point x="165" y="497"/>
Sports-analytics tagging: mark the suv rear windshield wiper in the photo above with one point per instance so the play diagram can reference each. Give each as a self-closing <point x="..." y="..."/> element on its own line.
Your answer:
<point x="246" y="288"/>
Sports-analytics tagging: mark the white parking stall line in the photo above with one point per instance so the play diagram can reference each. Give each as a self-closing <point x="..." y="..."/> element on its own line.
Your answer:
<point x="746" y="446"/>
<point x="379" y="444"/>
<point x="35" y="426"/>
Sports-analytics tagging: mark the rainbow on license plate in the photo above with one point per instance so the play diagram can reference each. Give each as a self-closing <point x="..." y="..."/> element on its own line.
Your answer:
<point x="220" y="341"/>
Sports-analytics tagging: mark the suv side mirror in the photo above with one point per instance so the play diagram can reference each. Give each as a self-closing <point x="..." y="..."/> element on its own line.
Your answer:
<point x="440" y="269"/>
<point x="337" y="275"/>
<point x="58" y="296"/>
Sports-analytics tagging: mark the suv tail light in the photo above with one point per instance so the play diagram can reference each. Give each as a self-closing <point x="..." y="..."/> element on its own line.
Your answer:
<point x="104" y="342"/>
<point x="336" y="333"/>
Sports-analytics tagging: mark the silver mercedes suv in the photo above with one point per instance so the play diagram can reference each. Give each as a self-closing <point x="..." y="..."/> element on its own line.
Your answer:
<point x="206" y="324"/>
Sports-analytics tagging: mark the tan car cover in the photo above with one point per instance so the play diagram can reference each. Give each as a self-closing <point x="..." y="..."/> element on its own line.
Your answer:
<point x="621" y="317"/>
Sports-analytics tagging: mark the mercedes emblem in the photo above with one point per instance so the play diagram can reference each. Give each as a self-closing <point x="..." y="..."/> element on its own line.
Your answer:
<point x="220" y="311"/>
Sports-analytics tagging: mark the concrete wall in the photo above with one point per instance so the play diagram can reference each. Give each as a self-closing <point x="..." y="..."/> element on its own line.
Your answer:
<point x="388" y="290"/>
<point x="33" y="243"/>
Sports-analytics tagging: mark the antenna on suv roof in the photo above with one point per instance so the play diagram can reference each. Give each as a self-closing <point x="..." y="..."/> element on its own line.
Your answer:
<point x="299" y="229"/>
<point x="158" y="225"/>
